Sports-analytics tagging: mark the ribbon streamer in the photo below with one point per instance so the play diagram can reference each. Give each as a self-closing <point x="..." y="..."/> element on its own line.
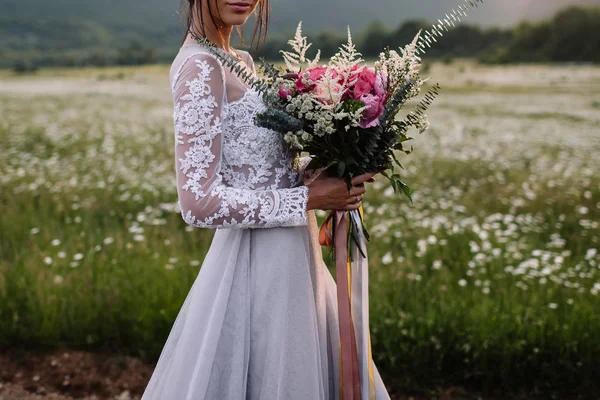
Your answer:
<point x="356" y="366"/>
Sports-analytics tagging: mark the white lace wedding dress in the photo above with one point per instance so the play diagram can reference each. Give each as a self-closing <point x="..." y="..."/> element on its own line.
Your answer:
<point x="260" y="321"/>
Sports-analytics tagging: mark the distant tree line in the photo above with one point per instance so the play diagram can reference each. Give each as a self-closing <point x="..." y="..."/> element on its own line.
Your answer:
<point x="133" y="53"/>
<point x="571" y="35"/>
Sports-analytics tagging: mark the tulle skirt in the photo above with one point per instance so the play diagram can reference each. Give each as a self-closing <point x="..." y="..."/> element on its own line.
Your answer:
<point x="259" y="323"/>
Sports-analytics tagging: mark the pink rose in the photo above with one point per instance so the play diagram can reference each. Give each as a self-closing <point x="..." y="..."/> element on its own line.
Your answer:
<point x="376" y="105"/>
<point x="284" y="92"/>
<point x="365" y="83"/>
<point x="314" y="75"/>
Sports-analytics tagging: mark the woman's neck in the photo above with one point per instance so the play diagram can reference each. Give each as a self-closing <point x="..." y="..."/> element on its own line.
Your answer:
<point x="220" y="37"/>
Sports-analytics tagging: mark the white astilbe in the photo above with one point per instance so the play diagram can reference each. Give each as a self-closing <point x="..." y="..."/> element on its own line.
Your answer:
<point x="404" y="66"/>
<point x="343" y="61"/>
<point x="296" y="60"/>
<point x="347" y="55"/>
<point x="328" y="91"/>
<point x="413" y="61"/>
<point x="356" y="117"/>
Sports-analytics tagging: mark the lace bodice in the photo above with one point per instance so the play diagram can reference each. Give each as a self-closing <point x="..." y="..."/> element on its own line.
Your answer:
<point x="230" y="173"/>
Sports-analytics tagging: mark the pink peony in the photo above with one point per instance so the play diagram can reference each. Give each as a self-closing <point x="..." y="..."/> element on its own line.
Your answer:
<point x="380" y="87"/>
<point x="376" y="105"/>
<point x="365" y="83"/>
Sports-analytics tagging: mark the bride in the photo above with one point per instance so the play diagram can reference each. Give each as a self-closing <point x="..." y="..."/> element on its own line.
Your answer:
<point x="260" y="321"/>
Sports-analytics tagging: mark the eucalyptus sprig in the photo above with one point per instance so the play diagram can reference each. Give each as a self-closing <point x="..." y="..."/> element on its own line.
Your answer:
<point x="437" y="30"/>
<point x="417" y="115"/>
<point x="235" y="65"/>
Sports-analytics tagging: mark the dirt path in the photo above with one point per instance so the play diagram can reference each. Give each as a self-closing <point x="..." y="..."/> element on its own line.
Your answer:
<point x="67" y="374"/>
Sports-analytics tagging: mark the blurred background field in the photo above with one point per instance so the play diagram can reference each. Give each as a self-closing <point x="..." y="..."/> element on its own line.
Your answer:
<point x="489" y="281"/>
<point x="486" y="287"/>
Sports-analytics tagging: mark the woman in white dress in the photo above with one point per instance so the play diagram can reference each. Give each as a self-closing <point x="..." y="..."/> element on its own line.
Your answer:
<point x="260" y="321"/>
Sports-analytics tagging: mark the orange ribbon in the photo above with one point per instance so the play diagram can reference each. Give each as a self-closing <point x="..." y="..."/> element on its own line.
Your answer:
<point x="349" y="374"/>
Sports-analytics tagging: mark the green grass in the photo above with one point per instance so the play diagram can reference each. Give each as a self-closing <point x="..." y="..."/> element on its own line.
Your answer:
<point x="489" y="280"/>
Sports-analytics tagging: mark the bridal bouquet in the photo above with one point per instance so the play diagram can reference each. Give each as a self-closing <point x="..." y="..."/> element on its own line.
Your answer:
<point x="344" y="113"/>
<point x="349" y="117"/>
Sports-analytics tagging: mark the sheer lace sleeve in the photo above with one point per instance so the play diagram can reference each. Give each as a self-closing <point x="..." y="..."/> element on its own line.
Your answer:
<point x="205" y="200"/>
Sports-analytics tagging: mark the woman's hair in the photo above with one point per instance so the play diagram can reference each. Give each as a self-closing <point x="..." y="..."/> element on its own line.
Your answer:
<point x="193" y="8"/>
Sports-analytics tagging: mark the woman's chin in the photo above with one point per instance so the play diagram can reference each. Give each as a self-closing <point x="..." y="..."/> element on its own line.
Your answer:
<point x="236" y="20"/>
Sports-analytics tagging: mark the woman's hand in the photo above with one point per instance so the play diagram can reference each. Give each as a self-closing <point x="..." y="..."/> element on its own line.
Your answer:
<point x="326" y="193"/>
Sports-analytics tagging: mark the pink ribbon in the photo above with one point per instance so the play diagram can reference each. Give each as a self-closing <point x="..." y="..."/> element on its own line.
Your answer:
<point x="349" y="374"/>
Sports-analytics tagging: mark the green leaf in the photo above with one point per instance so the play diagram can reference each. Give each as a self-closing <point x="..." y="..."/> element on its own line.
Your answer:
<point x="341" y="168"/>
<point x="396" y="160"/>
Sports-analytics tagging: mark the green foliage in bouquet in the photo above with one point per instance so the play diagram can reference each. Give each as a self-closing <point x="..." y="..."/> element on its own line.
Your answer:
<point x="279" y="121"/>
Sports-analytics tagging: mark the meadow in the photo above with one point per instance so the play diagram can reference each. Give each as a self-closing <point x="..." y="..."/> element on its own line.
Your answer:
<point x="490" y="280"/>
